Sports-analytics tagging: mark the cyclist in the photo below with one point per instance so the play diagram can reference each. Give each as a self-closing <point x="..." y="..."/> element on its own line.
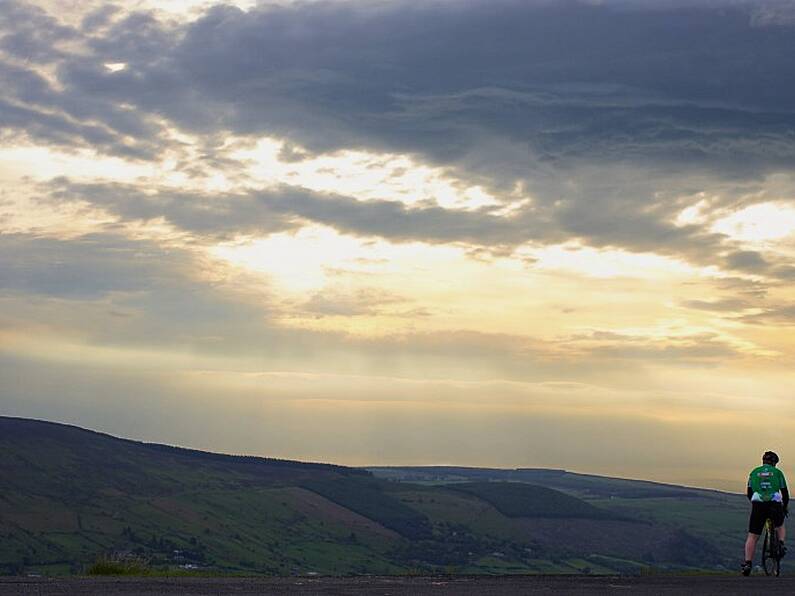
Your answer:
<point x="767" y="491"/>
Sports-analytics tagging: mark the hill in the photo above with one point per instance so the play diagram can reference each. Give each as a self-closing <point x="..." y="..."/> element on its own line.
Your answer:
<point x="69" y="495"/>
<point x="707" y="525"/>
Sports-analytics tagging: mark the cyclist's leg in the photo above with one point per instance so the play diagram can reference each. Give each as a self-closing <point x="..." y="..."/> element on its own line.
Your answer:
<point x="750" y="546"/>
<point x="755" y="524"/>
<point x="777" y="515"/>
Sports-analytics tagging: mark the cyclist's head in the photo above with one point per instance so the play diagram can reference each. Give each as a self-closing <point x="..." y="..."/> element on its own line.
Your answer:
<point x="770" y="457"/>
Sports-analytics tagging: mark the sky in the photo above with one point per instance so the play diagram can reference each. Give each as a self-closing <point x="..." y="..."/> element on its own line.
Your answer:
<point x="493" y="233"/>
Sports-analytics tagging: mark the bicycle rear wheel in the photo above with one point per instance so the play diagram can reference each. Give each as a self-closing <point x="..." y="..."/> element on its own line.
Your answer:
<point x="770" y="551"/>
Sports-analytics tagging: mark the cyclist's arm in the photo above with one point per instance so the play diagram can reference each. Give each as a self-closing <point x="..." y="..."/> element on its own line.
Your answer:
<point x="784" y="489"/>
<point x="749" y="492"/>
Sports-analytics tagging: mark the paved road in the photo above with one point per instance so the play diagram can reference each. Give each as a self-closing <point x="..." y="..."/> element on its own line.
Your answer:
<point x="400" y="586"/>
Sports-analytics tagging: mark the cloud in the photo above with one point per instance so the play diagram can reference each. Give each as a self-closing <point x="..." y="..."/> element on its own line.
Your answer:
<point x="29" y="33"/>
<point x="747" y="288"/>
<point x="545" y="81"/>
<point x="360" y="303"/>
<point x="782" y="314"/>
<point x="106" y="290"/>
<point x="694" y="352"/>
<point x="689" y="349"/>
<point x="747" y="260"/>
<point x="772" y="266"/>
<point x="217" y="215"/>
<point x="212" y="217"/>
<point x="98" y="18"/>
<point x="560" y="81"/>
<point x="605" y="117"/>
<point x="86" y="268"/>
<point x="724" y="305"/>
<point x="773" y="14"/>
<point x="111" y="293"/>
<point x="36" y="110"/>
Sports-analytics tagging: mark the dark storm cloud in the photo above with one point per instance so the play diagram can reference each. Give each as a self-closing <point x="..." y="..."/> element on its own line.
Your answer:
<point x="57" y="112"/>
<point x="29" y="33"/>
<point x="30" y="105"/>
<point x="565" y="80"/>
<point x="773" y="14"/>
<point x="57" y="130"/>
<point x="98" y="18"/>
<point x="605" y="113"/>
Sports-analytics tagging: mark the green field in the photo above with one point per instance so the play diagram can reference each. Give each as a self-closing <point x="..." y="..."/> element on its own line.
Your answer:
<point x="676" y="527"/>
<point x="70" y="497"/>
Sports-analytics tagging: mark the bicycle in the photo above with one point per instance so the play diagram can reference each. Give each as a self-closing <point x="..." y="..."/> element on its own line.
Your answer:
<point x="771" y="550"/>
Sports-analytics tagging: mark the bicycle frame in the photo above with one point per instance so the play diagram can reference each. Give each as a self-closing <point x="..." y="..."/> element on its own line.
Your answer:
<point x="771" y="553"/>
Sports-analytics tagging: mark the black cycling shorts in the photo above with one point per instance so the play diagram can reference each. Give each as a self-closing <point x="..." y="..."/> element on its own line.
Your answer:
<point x="760" y="511"/>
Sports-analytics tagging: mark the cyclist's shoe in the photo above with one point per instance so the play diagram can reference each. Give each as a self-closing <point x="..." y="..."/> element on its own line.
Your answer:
<point x="746" y="568"/>
<point x="782" y="550"/>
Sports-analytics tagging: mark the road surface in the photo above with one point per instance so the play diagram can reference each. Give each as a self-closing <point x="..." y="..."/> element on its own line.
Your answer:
<point x="400" y="586"/>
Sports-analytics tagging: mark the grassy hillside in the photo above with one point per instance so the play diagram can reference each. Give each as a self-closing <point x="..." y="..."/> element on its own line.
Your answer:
<point x="367" y="498"/>
<point x="681" y="525"/>
<point x="69" y="496"/>
<point x="514" y="499"/>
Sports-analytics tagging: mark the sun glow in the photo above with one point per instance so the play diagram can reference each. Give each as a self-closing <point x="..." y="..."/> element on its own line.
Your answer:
<point x="765" y="222"/>
<point x="43" y="163"/>
<point x="298" y="262"/>
<point x="591" y="262"/>
<point x="363" y="175"/>
<point x="333" y="282"/>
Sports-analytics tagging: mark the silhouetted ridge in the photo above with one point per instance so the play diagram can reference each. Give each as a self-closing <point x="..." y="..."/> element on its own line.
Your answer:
<point x="594" y="486"/>
<point x="76" y="436"/>
<point x="250" y="459"/>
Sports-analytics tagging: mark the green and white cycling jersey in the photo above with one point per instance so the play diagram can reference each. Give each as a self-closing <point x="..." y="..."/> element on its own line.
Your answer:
<point x="766" y="482"/>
